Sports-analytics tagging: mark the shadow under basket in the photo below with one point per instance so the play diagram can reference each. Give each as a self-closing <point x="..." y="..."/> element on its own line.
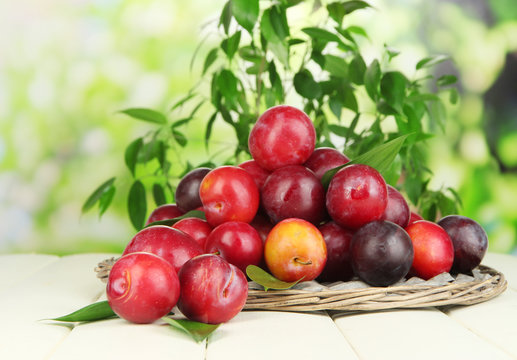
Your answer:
<point x="461" y="290"/>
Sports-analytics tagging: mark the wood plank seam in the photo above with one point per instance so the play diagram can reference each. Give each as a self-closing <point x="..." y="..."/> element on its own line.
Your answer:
<point x="447" y="310"/>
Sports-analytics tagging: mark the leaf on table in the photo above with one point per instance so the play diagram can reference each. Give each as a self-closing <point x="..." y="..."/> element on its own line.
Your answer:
<point x="169" y="222"/>
<point x="267" y="280"/>
<point x="197" y="330"/>
<point x="93" y="312"/>
<point x="379" y="158"/>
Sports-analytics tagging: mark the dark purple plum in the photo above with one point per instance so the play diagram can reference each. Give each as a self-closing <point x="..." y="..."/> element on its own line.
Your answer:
<point x="294" y="191"/>
<point x="338" y="240"/>
<point x="469" y="240"/>
<point x="187" y="192"/>
<point x="397" y="210"/>
<point x="381" y="253"/>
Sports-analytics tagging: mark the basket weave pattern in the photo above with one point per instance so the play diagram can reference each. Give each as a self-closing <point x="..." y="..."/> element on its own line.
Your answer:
<point x="372" y="298"/>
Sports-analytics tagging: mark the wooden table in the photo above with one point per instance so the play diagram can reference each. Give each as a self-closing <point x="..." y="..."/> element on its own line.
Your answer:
<point x="35" y="287"/>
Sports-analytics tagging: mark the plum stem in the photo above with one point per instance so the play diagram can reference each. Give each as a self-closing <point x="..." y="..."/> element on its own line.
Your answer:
<point x="300" y="261"/>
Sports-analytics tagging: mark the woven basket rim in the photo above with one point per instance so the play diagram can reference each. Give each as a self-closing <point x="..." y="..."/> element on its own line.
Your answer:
<point x="370" y="298"/>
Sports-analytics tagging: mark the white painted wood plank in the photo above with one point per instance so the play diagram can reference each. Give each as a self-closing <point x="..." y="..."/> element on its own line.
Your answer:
<point x="413" y="334"/>
<point x="507" y="264"/>
<point x="278" y="335"/>
<point x="16" y="267"/>
<point x="119" y="339"/>
<point x="59" y="288"/>
<point x="494" y="320"/>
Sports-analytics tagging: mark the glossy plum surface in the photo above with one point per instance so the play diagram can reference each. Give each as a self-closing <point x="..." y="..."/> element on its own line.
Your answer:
<point x="397" y="209"/>
<point x="283" y="135"/>
<point x="258" y="173"/>
<point x="413" y="217"/>
<point x="324" y="159"/>
<point x="187" y="192"/>
<point x="142" y="287"/>
<point x="164" y="212"/>
<point x="237" y="242"/>
<point x="198" y="229"/>
<point x="434" y="251"/>
<point x="229" y="193"/>
<point x="171" y="244"/>
<point x="381" y="253"/>
<point x="469" y="240"/>
<point x="337" y="240"/>
<point x="263" y="225"/>
<point x="357" y="195"/>
<point x="294" y="192"/>
<point x="213" y="291"/>
<point x="295" y="249"/>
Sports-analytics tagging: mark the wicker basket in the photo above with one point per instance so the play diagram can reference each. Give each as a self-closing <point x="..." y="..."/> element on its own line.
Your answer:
<point x="461" y="290"/>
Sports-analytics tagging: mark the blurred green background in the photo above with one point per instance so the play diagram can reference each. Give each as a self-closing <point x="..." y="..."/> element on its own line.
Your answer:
<point x="67" y="67"/>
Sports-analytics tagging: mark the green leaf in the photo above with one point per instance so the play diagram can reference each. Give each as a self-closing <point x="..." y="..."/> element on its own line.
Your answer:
<point x="246" y="13"/>
<point x="306" y="86"/>
<point x="169" y="222"/>
<point x="209" y="125"/>
<point x="278" y="18"/>
<point x="453" y="96"/>
<point x="227" y="83"/>
<point x="431" y="61"/>
<point x="351" y="6"/>
<point x="105" y="200"/>
<point x="131" y="154"/>
<point x="144" y="114"/>
<point x="93" y="312"/>
<point x="267" y="280"/>
<point x="437" y="113"/>
<point x="251" y="54"/>
<point x="159" y="194"/>
<point x="274" y="41"/>
<point x="210" y="59"/>
<point x="358" y="30"/>
<point x="231" y="44"/>
<point x="336" y="65"/>
<point x="446" y="80"/>
<point x="422" y="97"/>
<point x="321" y="34"/>
<point x="137" y="205"/>
<point x="97" y="194"/>
<point x="335" y="106"/>
<point x="414" y="187"/>
<point x="348" y="98"/>
<point x="372" y="78"/>
<point x="226" y="16"/>
<point x="379" y="158"/>
<point x="336" y="11"/>
<point x="180" y="138"/>
<point x="393" y="89"/>
<point x="180" y="122"/>
<point x="356" y="70"/>
<point x="183" y="100"/>
<point x="197" y="330"/>
<point x="392" y="52"/>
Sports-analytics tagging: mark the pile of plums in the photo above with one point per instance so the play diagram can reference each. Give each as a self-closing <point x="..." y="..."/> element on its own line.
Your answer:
<point x="274" y="212"/>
